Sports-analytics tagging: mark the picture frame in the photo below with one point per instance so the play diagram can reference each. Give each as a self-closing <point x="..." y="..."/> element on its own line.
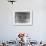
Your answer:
<point x="26" y="18"/>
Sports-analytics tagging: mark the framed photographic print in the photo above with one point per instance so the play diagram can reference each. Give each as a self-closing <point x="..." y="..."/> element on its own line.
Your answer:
<point x="23" y="18"/>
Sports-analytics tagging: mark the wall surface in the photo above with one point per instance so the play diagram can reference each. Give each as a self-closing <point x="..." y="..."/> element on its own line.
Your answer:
<point x="9" y="31"/>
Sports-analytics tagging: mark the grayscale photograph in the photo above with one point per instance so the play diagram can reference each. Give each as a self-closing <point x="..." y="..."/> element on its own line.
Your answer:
<point x="22" y="17"/>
